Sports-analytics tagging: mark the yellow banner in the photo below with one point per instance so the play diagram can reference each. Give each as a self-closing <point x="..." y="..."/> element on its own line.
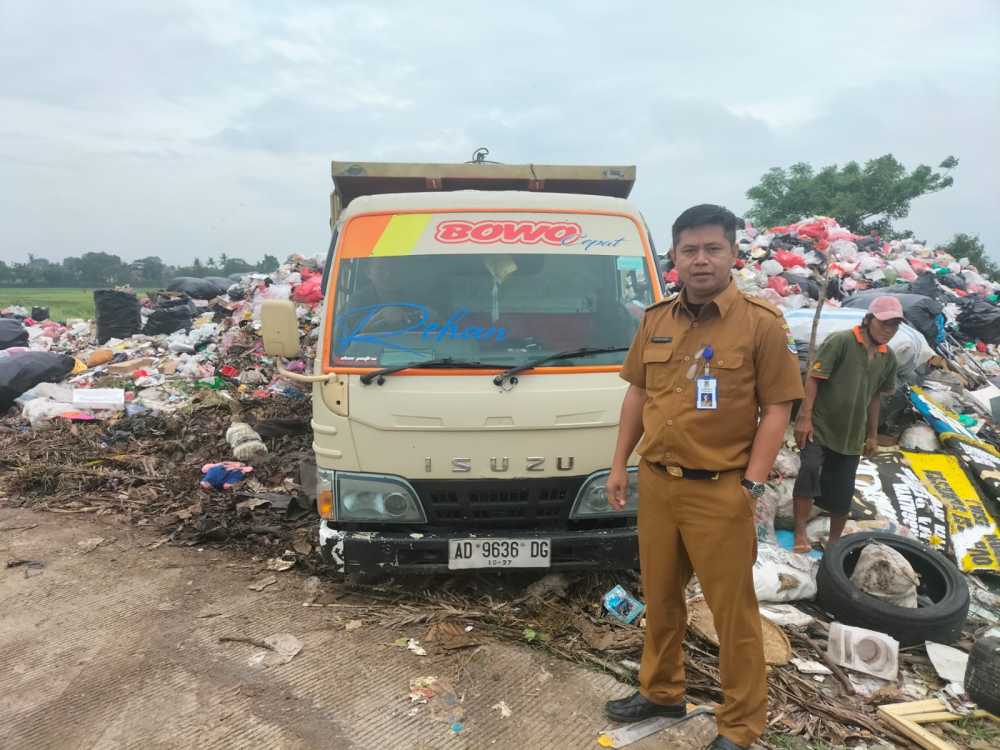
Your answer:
<point x="974" y="536"/>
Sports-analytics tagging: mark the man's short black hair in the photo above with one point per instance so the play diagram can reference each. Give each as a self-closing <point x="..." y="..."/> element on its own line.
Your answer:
<point x="708" y="214"/>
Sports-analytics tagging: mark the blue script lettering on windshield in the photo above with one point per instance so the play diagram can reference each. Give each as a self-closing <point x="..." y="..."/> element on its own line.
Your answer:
<point x="414" y="319"/>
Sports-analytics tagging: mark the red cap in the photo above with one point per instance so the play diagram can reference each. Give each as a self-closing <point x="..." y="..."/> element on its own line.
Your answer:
<point x="886" y="308"/>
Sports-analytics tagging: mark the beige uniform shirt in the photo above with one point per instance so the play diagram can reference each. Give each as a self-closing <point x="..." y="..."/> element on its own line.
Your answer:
<point x="754" y="362"/>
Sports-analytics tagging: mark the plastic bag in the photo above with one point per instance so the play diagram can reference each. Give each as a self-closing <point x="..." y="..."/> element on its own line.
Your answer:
<point x="979" y="319"/>
<point x="844" y="249"/>
<point x="884" y="573"/>
<point x="919" y="437"/>
<point x="116" y="314"/>
<point x="168" y="320"/>
<point x="788" y="259"/>
<point x="771" y="267"/>
<point x="903" y="270"/>
<point x="780" y="576"/>
<point x="12" y="333"/>
<point x="25" y="371"/>
<point x="309" y="291"/>
<point x="778" y="284"/>
<point x="197" y="288"/>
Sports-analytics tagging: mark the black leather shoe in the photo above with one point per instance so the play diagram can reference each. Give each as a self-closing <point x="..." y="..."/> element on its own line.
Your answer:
<point x="637" y="708"/>
<point x="721" y="743"/>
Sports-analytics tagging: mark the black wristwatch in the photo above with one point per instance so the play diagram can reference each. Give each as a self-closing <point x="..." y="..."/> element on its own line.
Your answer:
<point x="754" y="488"/>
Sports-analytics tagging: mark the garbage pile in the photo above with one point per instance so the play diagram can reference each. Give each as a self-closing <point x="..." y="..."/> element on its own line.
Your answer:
<point x="164" y="408"/>
<point x="943" y="485"/>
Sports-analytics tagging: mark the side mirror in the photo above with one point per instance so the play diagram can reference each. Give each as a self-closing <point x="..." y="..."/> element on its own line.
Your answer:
<point x="279" y="327"/>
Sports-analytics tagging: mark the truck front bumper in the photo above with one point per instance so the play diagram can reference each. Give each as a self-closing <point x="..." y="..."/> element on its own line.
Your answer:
<point x="369" y="552"/>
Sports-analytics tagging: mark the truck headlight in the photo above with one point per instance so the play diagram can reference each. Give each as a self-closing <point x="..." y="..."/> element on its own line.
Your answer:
<point x="375" y="497"/>
<point x="592" y="499"/>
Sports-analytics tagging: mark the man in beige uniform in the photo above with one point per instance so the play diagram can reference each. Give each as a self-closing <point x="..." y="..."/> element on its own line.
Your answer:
<point x="713" y="374"/>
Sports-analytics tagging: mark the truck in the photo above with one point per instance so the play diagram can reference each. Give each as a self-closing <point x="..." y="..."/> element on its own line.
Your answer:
<point x="466" y="389"/>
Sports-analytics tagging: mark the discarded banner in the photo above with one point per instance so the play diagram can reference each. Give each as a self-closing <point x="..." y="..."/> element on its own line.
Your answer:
<point x="887" y="487"/>
<point x="980" y="459"/>
<point x="974" y="536"/>
<point x="942" y="420"/>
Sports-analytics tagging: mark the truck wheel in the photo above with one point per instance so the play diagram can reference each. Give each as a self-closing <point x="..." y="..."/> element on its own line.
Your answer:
<point x="982" y="675"/>
<point x="943" y="595"/>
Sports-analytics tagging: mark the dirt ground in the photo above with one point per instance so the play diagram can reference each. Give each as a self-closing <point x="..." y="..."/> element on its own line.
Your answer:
<point x="117" y="646"/>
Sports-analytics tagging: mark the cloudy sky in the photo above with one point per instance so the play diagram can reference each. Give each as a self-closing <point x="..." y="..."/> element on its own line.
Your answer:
<point x="192" y="127"/>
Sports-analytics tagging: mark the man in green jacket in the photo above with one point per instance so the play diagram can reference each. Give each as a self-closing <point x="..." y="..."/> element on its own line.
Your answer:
<point x="838" y="420"/>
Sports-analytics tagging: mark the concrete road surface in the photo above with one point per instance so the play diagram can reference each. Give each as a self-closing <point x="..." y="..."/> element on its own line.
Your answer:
<point x="117" y="646"/>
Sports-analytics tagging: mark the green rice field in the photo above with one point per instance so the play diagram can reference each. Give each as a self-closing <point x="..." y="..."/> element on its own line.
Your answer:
<point x="63" y="303"/>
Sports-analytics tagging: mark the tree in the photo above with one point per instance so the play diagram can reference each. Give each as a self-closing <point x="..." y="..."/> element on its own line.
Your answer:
<point x="102" y="269"/>
<point x="149" y="271"/>
<point x="863" y="199"/>
<point x="268" y="265"/>
<point x="236" y="265"/>
<point x="971" y="247"/>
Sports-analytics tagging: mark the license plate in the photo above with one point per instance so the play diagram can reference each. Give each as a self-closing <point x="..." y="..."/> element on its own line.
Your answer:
<point x="498" y="553"/>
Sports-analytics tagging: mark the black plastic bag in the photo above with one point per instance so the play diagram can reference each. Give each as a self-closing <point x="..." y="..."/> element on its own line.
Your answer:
<point x="222" y="283"/>
<point x="38" y="314"/>
<point x="979" y="319"/>
<point x="920" y="312"/>
<point x="116" y="314"/>
<point x="953" y="280"/>
<point x="809" y="287"/>
<point x="196" y="288"/>
<point x="168" y="320"/>
<point x="927" y="285"/>
<point x="22" y="372"/>
<point x="12" y="333"/>
<point x="236" y="293"/>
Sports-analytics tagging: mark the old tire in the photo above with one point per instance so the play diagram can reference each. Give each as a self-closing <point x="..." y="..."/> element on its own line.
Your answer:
<point x="940" y="582"/>
<point x="982" y="675"/>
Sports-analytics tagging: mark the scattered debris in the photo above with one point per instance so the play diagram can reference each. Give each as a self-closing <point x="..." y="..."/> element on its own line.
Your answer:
<point x="622" y="605"/>
<point x="263" y="583"/>
<point x="411" y="644"/>
<point x="810" y="666"/>
<point x="867" y="651"/>
<point x="90" y="544"/>
<point x="949" y="662"/>
<point x="280" y="564"/>
<point x="632" y="733"/>
<point x="279" y="648"/>
<point x="503" y="708"/>
<point x="777" y="649"/>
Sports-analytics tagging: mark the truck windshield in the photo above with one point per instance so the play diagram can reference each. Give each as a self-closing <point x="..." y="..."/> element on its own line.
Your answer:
<point x="507" y="308"/>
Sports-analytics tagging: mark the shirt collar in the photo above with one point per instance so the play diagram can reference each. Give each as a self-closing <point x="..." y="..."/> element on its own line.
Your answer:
<point x="723" y="301"/>
<point x="861" y="340"/>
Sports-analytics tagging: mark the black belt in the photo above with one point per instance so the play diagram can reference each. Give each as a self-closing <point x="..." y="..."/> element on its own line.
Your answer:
<point x="681" y="473"/>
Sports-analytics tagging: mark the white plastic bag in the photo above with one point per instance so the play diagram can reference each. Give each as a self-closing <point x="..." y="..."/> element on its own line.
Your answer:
<point x="844" y="250"/>
<point x="780" y="576"/>
<point x="919" y="437"/>
<point x="884" y="573"/>
<point x="772" y="267"/>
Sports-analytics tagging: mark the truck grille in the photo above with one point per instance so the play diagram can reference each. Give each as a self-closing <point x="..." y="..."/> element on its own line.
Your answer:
<point x="489" y="503"/>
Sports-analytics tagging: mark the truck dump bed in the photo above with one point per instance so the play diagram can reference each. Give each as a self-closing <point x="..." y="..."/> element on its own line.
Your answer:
<point x="355" y="179"/>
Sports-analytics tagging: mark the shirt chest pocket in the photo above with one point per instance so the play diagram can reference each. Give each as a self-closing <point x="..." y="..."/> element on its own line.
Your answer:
<point x="733" y="377"/>
<point x="658" y="366"/>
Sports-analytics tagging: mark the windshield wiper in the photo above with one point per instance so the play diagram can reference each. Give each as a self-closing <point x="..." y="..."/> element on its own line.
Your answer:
<point x="570" y="354"/>
<point x="442" y="362"/>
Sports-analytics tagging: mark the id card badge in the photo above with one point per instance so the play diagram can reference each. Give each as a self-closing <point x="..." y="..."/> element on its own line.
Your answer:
<point x="707" y="392"/>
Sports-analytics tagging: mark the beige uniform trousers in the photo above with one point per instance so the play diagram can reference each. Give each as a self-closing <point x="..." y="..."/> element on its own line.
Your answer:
<point x="705" y="527"/>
